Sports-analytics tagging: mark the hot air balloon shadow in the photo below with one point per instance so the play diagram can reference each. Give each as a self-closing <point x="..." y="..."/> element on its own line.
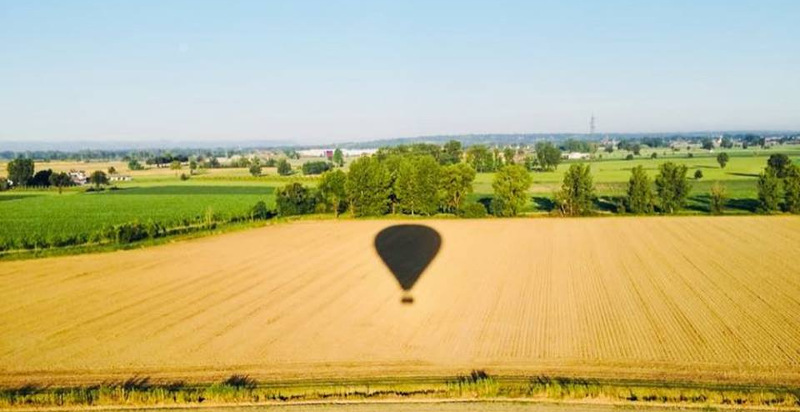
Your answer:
<point x="407" y="250"/>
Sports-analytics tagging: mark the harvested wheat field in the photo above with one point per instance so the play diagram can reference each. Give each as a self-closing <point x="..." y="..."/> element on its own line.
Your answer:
<point x="692" y="298"/>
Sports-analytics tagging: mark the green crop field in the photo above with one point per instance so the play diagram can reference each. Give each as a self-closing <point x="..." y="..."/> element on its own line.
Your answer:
<point x="46" y="213"/>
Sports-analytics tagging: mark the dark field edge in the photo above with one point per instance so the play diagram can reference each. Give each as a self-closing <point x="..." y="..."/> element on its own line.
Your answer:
<point x="221" y="228"/>
<point x="238" y="390"/>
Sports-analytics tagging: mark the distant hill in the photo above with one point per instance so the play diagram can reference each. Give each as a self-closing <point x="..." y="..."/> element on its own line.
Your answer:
<point x="532" y="138"/>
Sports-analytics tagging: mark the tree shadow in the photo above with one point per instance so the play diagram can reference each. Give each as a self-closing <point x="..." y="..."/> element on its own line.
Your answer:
<point x="743" y="174"/>
<point x="172" y="190"/>
<point x="702" y="203"/>
<point x="699" y="203"/>
<point x="487" y="203"/>
<point x="544" y="203"/>
<point x="6" y="198"/>
<point x="407" y="250"/>
<point x="749" y="205"/>
<point x="612" y="204"/>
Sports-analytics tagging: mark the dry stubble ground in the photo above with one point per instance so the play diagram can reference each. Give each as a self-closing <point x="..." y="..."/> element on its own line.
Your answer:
<point x="691" y="298"/>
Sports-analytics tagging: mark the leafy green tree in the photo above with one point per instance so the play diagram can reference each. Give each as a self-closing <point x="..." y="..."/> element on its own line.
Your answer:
<point x="41" y="178"/>
<point x="260" y="211"/>
<point x="4" y="184"/>
<point x="727" y="143"/>
<point x="636" y="149"/>
<point x="575" y="145"/>
<point x="698" y="174"/>
<point x="20" y="171"/>
<point x="392" y="163"/>
<point x="472" y="210"/>
<point x="284" y="168"/>
<point x="718" y="196"/>
<point x="255" y="170"/>
<point x="295" y="199"/>
<point x="455" y="185"/>
<point x="672" y="186"/>
<point x="291" y="154"/>
<point x="316" y="167"/>
<point x="510" y="186"/>
<point x="134" y="164"/>
<point x="779" y="163"/>
<point x="508" y="155"/>
<point x="175" y="165"/>
<point x="769" y="188"/>
<point x="791" y="189"/>
<point x="338" y="157"/>
<point x="530" y="162"/>
<point x="640" y="196"/>
<point x="98" y="178"/>
<point x="333" y="190"/>
<point x="577" y="191"/>
<point x="547" y="155"/>
<point x="722" y="159"/>
<point x="112" y="170"/>
<point x="451" y="153"/>
<point x="480" y="158"/>
<point x="497" y="158"/>
<point x="417" y="185"/>
<point x="707" y="144"/>
<point x="60" y="180"/>
<point x="368" y="187"/>
<point x="192" y="166"/>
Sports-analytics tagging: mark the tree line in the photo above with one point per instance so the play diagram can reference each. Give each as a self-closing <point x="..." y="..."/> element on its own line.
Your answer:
<point x="390" y="182"/>
<point x="408" y="182"/>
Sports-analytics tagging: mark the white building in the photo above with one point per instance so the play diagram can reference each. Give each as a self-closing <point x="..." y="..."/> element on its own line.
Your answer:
<point x="577" y="156"/>
<point x="78" y="177"/>
<point x="328" y="152"/>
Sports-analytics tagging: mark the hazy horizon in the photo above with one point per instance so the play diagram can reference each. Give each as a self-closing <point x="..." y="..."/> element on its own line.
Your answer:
<point x="315" y="72"/>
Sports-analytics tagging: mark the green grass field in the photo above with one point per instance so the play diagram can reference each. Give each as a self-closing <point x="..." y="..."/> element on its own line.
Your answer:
<point x="611" y="174"/>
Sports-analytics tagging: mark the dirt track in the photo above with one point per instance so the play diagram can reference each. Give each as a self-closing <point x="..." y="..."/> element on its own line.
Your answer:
<point x="683" y="298"/>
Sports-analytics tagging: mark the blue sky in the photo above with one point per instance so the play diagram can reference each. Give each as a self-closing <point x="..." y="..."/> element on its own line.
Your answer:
<point x="323" y="71"/>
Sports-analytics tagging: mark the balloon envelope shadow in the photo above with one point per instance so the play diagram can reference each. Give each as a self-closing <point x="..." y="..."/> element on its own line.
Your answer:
<point x="407" y="250"/>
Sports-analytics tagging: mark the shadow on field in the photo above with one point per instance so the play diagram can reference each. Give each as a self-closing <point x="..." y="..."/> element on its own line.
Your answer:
<point x="197" y="190"/>
<point x="544" y="204"/>
<point x="702" y="203"/>
<point x="407" y="250"/>
<point x="750" y="205"/>
<point x="6" y="198"/>
<point x="699" y="203"/>
<point x="612" y="204"/>
<point x="743" y="174"/>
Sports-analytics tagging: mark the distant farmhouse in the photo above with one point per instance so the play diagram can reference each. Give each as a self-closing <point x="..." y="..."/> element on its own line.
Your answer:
<point x="119" y="178"/>
<point x="577" y="156"/>
<point x="328" y="153"/>
<point x="78" y="177"/>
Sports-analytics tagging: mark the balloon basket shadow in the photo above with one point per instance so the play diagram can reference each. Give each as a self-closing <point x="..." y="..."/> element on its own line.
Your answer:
<point x="407" y="299"/>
